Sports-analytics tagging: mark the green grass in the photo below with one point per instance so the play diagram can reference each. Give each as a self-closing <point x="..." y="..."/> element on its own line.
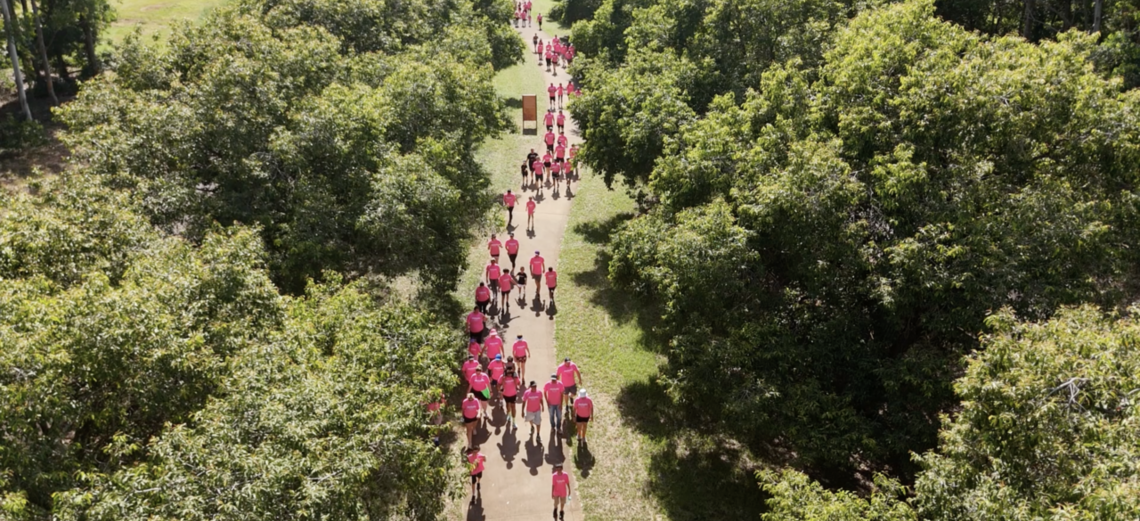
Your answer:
<point x="154" y="17"/>
<point x="548" y="27"/>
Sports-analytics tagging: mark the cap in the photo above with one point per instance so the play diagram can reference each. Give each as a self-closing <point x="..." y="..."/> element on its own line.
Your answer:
<point x="512" y="234"/>
<point x="553" y="376"/>
<point x="532" y="384"/>
<point x="498" y="357"/>
<point x="536" y="252"/>
<point x="567" y="359"/>
<point x="581" y="393"/>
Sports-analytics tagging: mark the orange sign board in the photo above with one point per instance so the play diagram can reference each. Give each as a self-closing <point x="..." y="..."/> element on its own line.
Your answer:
<point x="530" y="109"/>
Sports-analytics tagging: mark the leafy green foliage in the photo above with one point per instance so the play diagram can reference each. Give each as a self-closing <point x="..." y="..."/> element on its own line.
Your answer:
<point x="325" y="419"/>
<point x="858" y="222"/>
<point x="343" y="156"/>
<point x="1047" y="430"/>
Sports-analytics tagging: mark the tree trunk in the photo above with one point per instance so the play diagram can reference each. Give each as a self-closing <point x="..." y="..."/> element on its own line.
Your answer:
<point x="10" y="28"/>
<point x="1066" y="9"/>
<point x="1097" y="14"/>
<point x="93" y="65"/>
<point x="44" y="54"/>
<point x="1029" y="20"/>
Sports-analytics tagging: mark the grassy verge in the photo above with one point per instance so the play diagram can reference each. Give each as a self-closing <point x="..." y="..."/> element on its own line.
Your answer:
<point x="548" y="27"/>
<point x="644" y="462"/>
<point x="154" y="16"/>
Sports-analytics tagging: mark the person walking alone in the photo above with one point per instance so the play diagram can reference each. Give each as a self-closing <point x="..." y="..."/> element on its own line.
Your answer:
<point x="560" y="491"/>
<point x="537" y="266"/>
<point x="509" y="200"/>
<point x="583" y="411"/>
<point x="551" y="281"/>
<point x="475" y="461"/>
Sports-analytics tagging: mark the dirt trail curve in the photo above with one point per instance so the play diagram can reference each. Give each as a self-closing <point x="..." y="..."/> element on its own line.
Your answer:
<point x="516" y="482"/>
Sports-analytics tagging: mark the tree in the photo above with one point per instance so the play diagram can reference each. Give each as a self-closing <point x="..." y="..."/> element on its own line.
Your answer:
<point x="10" y="32"/>
<point x="1046" y="431"/>
<point x="883" y="204"/>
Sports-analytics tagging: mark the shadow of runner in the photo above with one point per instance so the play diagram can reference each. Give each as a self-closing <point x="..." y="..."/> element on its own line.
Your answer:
<point x="551" y="310"/>
<point x="509" y="447"/>
<point x="475" y="510"/>
<point x="554" y="453"/>
<point x="536" y="304"/>
<point x="533" y="459"/>
<point x="584" y="460"/>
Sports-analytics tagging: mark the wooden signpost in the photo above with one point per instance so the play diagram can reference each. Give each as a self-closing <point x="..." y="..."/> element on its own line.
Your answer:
<point x="530" y="110"/>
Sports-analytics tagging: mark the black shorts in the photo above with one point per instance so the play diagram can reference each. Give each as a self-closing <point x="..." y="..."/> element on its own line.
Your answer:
<point x="569" y="390"/>
<point x="538" y="176"/>
<point x="479" y="396"/>
<point x="520" y="359"/>
<point x="476" y="477"/>
<point x="494" y="382"/>
<point x="506" y="292"/>
<point x="478" y="337"/>
<point x="470" y="420"/>
<point x="512" y="256"/>
<point x="547" y="163"/>
<point x="552" y="288"/>
<point x="549" y="128"/>
<point x="494" y="284"/>
<point x="579" y="419"/>
<point x="510" y="399"/>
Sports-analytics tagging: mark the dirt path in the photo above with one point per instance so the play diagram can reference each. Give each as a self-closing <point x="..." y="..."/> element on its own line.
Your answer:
<point x="516" y="481"/>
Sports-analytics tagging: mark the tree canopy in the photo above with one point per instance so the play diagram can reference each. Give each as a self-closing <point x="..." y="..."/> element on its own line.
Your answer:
<point x="825" y="252"/>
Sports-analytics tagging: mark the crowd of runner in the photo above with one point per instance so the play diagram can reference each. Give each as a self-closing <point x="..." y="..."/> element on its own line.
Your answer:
<point x="494" y="372"/>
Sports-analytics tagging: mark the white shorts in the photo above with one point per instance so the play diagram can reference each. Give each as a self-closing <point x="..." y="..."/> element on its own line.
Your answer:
<point x="534" y="417"/>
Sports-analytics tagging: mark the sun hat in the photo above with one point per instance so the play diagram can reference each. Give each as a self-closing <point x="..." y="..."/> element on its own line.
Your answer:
<point x="581" y="393"/>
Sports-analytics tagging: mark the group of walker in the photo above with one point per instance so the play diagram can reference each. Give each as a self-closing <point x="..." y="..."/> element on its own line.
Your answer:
<point x="522" y="16"/>
<point x="496" y="377"/>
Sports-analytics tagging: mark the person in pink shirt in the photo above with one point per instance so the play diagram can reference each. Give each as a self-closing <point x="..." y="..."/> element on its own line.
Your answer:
<point x="470" y="408"/>
<point x="547" y="159"/>
<point x="435" y="410"/>
<point x="493" y="345"/>
<point x="560" y="491"/>
<point x="556" y="174"/>
<point x="562" y="141"/>
<point x="532" y="410"/>
<point x="510" y="385"/>
<point x="497" y="368"/>
<point x="509" y="200"/>
<point x="475" y="461"/>
<point x="530" y="213"/>
<point x="521" y="350"/>
<point x="548" y="120"/>
<point x="493" y="246"/>
<point x="539" y="18"/>
<point x="552" y="392"/>
<point x="536" y="167"/>
<point x="549" y="140"/>
<point x="537" y="266"/>
<point x="528" y="20"/>
<point x="583" y="410"/>
<point x="482" y="298"/>
<point x="561" y="122"/>
<point x="474" y="349"/>
<point x="570" y="377"/>
<point x="480" y="386"/>
<point x="506" y="283"/>
<point x="560" y="151"/>
<point x="475" y="325"/>
<point x="538" y="47"/>
<point x="561" y="91"/>
<point x="539" y="172"/>
<point x="470" y="366"/>
<point x="551" y="90"/>
<point x="493" y="271"/>
<point x="512" y="245"/>
<point x="551" y="281"/>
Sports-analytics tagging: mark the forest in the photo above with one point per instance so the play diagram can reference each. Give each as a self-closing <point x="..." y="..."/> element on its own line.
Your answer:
<point x="884" y="247"/>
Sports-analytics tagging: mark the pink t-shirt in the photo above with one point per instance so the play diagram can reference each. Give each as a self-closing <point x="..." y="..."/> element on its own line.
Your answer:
<point x="583" y="407"/>
<point x="509" y="200"/>
<point x="494" y="245"/>
<point x="537" y="166"/>
<point x="530" y="206"/>
<point x="566" y="373"/>
<point x="482" y="294"/>
<point x="549" y="119"/>
<point x="539" y="17"/>
<point x="510" y="386"/>
<point x="546" y="158"/>
<point x="533" y="400"/>
<point x="480" y="381"/>
<point x="556" y="169"/>
<point x="505" y="282"/>
<point x="519" y="348"/>
<point x="494" y="345"/>
<point x="475" y="322"/>
<point x="493" y="271"/>
<point x="553" y="392"/>
<point x="552" y="89"/>
<point x="551" y="279"/>
<point x="469" y="368"/>
<point x="562" y="141"/>
<point x="561" y="119"/>
<point x="476" y="459"/>
<point x="549" y="138"/>
<point x="560" y="484"/>
<point x="537" y="264"/>
<point x="561" y="90"/>
<point x="470" y="408"/>
<point x="474" y="349"/>
<point x="560" y="152"/>
<point x="497" y="368"/>
<point x="512" y="246"/>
